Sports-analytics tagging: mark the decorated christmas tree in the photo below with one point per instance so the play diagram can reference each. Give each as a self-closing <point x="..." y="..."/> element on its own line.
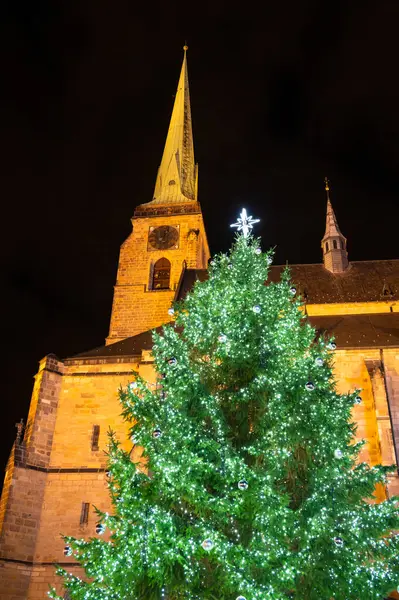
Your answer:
<point x="248" y="486"/>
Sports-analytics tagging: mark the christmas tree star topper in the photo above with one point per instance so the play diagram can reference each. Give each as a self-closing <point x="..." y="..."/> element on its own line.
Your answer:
<point x="245" y="223"/>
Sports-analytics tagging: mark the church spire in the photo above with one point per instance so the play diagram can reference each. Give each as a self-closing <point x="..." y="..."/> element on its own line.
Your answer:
<point x="335" y="256"/>
<point x="176" y="181"/>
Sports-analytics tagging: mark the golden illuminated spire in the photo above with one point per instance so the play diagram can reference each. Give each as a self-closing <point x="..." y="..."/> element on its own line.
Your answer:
<point x="333" y="243"/>
<point x="177" y="175"/>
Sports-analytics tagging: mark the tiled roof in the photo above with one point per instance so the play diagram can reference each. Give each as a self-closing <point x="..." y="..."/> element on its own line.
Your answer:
<point x="350" y="331"/>
<point x="360" y="331"/>
<point x="187" y="280"/>
<point x="363" y="281"/>
<point x="131" y="346"/>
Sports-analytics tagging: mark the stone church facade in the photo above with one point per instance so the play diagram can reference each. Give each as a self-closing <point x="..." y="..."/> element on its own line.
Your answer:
<point x="56" y="470"/>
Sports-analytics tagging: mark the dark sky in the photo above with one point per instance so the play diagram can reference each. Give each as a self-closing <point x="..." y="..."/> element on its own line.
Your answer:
<point x="280" y="97"/>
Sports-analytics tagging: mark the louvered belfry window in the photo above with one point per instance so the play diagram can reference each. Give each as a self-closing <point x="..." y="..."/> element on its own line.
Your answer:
<point x="161" y="275"/>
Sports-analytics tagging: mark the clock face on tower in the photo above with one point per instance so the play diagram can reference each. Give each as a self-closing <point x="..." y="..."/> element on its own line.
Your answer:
<point x="163" y="237"/>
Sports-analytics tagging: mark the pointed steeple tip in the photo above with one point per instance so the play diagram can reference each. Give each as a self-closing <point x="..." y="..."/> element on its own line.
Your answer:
<point x="177" y="177"/>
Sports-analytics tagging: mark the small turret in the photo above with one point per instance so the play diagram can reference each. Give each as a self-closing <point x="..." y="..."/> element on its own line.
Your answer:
<point x="335" y="256"/>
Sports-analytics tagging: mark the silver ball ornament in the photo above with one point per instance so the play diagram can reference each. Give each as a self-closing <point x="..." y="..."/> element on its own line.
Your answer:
<point x="207" y="544"/>
<point x="256" y="309"/>
<point x="338" y="541"/>
<point x="243" y="485"/>
<point x="309" y="386"/>
<point x="100" y="528"/>
<point x="338" y="453"/>
<point x="319" y="361"/>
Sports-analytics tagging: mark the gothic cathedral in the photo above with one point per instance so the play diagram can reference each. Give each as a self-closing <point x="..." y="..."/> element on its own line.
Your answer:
<point x="56" y="470"/>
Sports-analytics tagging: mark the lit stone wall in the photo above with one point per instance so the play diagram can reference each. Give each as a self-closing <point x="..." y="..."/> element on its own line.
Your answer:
<point x="43" y="408"/>
<point x="63" y="497"/>
<point x="88" y="397"/>
<point x="41" y="503"/>
<point x="391" y="363"/>
<point x="365" y="369"/>
<point x="137" y="308"/>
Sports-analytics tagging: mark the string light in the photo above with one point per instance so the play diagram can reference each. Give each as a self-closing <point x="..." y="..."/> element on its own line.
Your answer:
<point x="232" y="406"/>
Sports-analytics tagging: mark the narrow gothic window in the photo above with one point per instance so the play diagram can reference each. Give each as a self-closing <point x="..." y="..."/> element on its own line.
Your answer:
<point x="161" y="275"/>
<point x="84" y="514"/>
<point x="335" y="244"/>
<point x="326" y="246"/>
<point x="95" y="436"/>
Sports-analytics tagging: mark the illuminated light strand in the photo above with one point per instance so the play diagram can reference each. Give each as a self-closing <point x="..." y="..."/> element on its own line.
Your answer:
<point x="188" y="490"/>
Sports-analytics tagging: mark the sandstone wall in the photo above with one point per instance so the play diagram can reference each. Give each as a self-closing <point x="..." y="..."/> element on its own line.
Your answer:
<point x="390" y="359"/>
<point x="136" y="307"/>
<point x="57" y="471"/>
<point x="364" y="369"/>
<point x="41" y="503"/>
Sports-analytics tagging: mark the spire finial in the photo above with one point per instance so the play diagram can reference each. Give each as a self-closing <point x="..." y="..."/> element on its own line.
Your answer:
<point x="185" y="47"/>
<point x="327" y="187"/>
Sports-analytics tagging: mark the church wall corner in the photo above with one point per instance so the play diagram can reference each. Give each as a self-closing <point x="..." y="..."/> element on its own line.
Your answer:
<point x="43" y="411"/>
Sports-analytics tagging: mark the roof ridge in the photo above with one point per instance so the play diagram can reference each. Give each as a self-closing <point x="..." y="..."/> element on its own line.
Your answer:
<point x="351" y="262"/>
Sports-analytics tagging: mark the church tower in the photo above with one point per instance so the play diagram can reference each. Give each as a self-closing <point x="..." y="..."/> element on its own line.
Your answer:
<point x="168" y="232"/>
<point x="335" y="256"/>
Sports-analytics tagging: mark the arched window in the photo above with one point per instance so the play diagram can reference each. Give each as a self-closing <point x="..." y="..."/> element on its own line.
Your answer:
<point x="335" y="244"/>
<point x="327" y="248"/>
<point x="161" y="275"/>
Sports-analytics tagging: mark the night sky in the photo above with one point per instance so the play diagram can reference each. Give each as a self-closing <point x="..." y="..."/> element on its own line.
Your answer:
<point x="280" y="99"/>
